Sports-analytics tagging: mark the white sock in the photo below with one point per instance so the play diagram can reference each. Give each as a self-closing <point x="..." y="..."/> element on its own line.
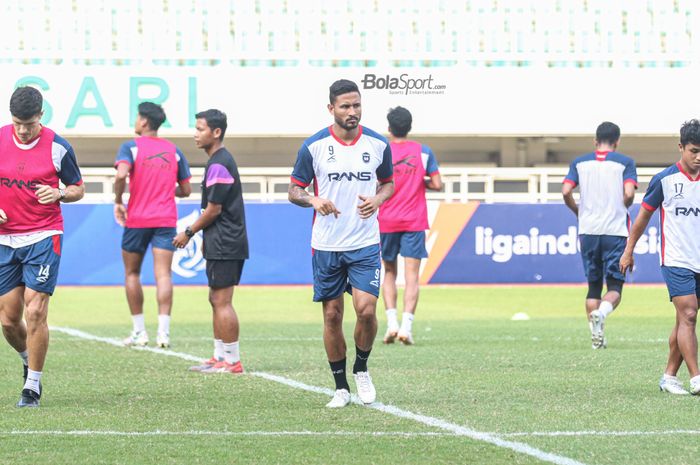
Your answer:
<point x="25" y="357"/>
<point x="164" y="324"/>
<point x="407" y="322"/>
<point x="139" y="324"/>
<point x="391" y="319"/>
<point x="231" y="354"/>
<point x="33" y="378"/>
<point x="218" y="349"/>
<point x="606" y="308"/>
<point x="670" y="377"/>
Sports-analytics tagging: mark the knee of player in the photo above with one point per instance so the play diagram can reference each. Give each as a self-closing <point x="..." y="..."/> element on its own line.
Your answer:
<point x="35" y="313"/>
<point x="366" y="314"/>
<point x="688" y="315"/>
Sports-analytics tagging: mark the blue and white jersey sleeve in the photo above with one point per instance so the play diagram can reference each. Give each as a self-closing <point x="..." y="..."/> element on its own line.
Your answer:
<point x="572" y="176"/>
<point x="385" y="171"/>
<point x="126" y="153"/>
<point x="429" y="161"/>
<point x="183" y="167"/>
<point x="303" y="172"/>
<point x="654" y="196"/>
<point x="630" y="173"/>
<point x="66" y="162"/>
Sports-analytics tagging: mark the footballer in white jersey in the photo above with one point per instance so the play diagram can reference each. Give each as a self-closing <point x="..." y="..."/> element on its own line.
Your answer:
<point x="675" y="192"/>
<point x="607" y="181"/>
<point x="351" y="169"/>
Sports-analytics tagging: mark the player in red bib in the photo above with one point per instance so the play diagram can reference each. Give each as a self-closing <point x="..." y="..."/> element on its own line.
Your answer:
<point x="403" y="220"/>
<point x="33" y="159"/>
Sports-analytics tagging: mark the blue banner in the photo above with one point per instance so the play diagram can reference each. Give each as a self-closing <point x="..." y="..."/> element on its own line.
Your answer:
<point x="279" y="236"/>
<point x="474" y="243"/>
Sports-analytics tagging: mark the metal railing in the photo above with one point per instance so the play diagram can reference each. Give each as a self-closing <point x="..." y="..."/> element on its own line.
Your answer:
<point x="461" y="184"/>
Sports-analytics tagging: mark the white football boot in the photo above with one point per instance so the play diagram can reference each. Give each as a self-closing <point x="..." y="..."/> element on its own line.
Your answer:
<point x="365" y="388"/>
<point x="672" y="385"/>
<point x="136" y="339"/>
<point x="597" y="325"/>
<point x="340" y="399"/>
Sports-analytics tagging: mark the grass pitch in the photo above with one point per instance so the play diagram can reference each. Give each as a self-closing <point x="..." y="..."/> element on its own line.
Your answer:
<point x="536" y="383"/>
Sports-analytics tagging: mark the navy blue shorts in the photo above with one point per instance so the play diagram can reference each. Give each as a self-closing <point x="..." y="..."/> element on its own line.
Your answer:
<point x="34" y="266"/>
<point x="681" y="281"/>
<point x="408" y="244"/>
<point x="338" y="272"/>
<point x="136" y="240"/>
<point x="601" y="256"/>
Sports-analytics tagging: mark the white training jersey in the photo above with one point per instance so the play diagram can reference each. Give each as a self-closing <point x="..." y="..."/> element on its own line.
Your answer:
<point x="342" y="172"/>
<point x="678" y="195"/>
<point x="601" y="177"/>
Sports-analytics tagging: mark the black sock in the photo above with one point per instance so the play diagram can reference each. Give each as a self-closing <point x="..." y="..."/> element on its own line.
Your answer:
<point x="360" y="360"/>
<point x="338" y="370"/>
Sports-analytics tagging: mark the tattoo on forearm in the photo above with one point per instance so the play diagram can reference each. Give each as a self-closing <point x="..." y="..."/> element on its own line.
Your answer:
<point x="299" y="196"/>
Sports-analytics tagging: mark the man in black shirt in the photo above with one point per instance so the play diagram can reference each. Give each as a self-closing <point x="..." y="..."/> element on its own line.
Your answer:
<point x="225" y="239"/>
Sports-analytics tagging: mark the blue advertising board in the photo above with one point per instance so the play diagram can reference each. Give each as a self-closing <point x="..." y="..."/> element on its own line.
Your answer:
<point x="468" y="243"/>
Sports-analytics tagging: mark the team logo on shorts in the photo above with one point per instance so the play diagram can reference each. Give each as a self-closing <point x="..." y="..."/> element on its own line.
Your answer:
<point x="365" y="157"/>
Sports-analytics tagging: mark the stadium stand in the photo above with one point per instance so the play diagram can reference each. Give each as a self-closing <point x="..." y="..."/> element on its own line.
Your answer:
<point x="549" y="33"/>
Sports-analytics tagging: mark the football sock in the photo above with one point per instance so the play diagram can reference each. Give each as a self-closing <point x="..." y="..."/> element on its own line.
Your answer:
<point x="139" y="324"/>
<point x="164" y="324"/>
<point x="407" y="322"/>
<point x="669" y="376"/>
<point x="605" y="308"/>
<point x="360" y="360"/>
<point x="25" y="357"/>
<point x="231" y="354"/>
<point x="218" y="349"/>
<point x="338" y="370"/>
<point x="391" y="319"/>
<point x="33" y="378"/>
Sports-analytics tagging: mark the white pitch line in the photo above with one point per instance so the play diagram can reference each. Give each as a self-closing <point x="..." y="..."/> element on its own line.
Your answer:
<point x="490" y="438"/>
<point x="219" y="433"/>
<point x="602" y="433"/>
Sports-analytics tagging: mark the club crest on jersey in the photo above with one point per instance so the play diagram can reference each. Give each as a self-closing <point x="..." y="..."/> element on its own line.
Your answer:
<point x="365" y="157"/>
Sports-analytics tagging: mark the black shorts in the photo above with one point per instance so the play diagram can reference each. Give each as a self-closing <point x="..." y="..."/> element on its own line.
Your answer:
<point x="224" y="273"/>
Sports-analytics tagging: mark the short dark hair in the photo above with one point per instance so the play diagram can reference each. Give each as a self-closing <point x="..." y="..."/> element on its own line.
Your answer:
<point x="340" y="87"/>
<point x="215" y="119"/>
<point x="607" y="133"/>
<point x="26" y="102"/>
<point x="690" y="133"/>
<point x="154" y="114"/>
<point x="400" y="121"/>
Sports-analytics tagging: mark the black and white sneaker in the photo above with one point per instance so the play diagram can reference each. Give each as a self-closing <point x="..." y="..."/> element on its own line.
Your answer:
<point x="26" y="372"/>
<point x="28" y="398"/>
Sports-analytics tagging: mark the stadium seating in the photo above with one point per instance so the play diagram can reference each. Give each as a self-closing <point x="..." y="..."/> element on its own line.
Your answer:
<point x="552" y="33"/>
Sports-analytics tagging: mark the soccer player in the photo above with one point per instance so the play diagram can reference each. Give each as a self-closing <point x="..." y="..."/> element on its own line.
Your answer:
<point x="607" y="182"/>
<point x="403" y="220"/>
<point x="33" y="159"/>
<point x="158" y="172"/>
<point x="676" y="191"/>
<point x="225" y="239"/>
<point x="351" y="167"/>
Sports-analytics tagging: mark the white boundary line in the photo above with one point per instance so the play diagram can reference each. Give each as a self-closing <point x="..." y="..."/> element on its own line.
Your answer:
<point x="603" y="433"/>
<point x="220" y="433"/>
<point x="390" y="409"/>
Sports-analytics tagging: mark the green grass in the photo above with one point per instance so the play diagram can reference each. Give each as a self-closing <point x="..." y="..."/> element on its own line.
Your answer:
<point x="471" y="366"/>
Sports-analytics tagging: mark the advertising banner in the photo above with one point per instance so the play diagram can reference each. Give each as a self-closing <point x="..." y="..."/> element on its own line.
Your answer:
<point x="101" y="100"/>
<point x="468" y="243"/>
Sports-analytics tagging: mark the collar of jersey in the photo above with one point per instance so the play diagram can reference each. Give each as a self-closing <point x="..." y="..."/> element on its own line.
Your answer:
<point x="29" y="145"/>
<point x="687" y="175"/>
<point x="354" y="141"/>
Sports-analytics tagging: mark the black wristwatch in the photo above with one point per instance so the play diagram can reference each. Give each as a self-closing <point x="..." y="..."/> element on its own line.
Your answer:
<point x="188" y="232"/>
